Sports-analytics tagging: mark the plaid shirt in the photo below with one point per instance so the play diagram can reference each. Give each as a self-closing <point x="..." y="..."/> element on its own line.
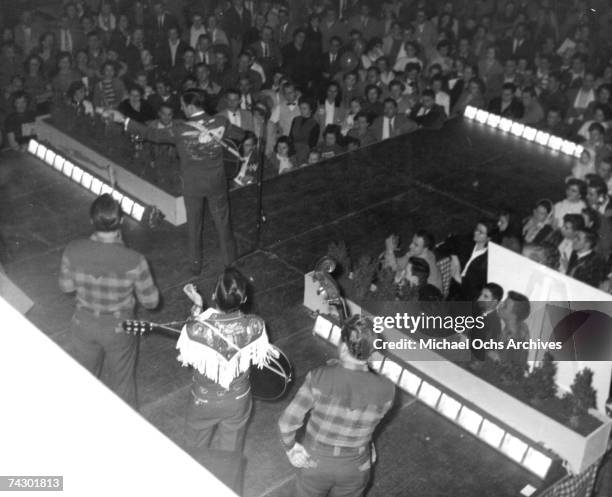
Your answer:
<point x="105" y="275"/>
<point x="346" y="403"/>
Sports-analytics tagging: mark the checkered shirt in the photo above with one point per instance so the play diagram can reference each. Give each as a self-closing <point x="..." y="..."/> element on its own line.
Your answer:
<point x="106" y="276"/>
<point x="345" y="403"/>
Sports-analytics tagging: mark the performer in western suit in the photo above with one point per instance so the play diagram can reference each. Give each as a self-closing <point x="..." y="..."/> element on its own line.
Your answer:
<point x="199" y="145"/>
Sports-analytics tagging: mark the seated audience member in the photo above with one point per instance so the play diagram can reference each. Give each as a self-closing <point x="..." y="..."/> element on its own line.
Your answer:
<point x="544" y="253"/>
<point x="473" y="95"/>
<point x="601" y="115"/>
<point x="37" y="85"/>
<point x="352" y="144"/>
<point x="507" y="105"/>
<point x="404" y="102"/>
<point x="538" y="227"/>
<point x="64" y="77"/>
<point x="581" y="97"/>
<point x="533" y="111"/>
<point x="163" y="95"/>
<point x="362" y="131"/>
<point x="391" y="124"/>
<point x="486" y="307"/>
<point x="248" y="160"/>
<point x="313" y="157"/>
<point x="554" y="124"/>
<point x="351" y="87"/>
<point x="571" y="224"/>
<point x="573" y="203"/>
<point x="135" y="107"/>
<point x="241" y="119"/>
<point x="442" y="98"/>
<point x="583" y="165"/>
<point x="510" y="230"/>
<point x="19" y="124"/>
<point x="469" y="260"/>
<point x="187" y="67"/>
<point x="585" y="264"/>
<point x="330" y="146"/>
<point x="413" y="278"/>
<point x="331" y="110"/>
<point x="110" y="90"/>
<point x="373" y="105"/>
<point x="513" y="312"/>
<point x="348" y="123"/>
<point x="283" y="160"/>
<point x="304" y="130"/>
<point x="428" y="114"/>
<point x="596" y="143"/>
<point x="604" y="170"/>
<point x="422" y="246"/>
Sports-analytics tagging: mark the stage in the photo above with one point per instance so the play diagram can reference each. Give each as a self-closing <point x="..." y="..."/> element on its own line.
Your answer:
<point x="443" y="181"/>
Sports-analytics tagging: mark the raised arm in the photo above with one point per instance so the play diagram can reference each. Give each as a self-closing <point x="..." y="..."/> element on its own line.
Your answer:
<point x="155" y="135"/>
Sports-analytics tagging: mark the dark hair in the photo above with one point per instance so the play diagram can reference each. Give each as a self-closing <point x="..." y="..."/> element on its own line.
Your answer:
<point x="521" y="306"/>
<point x="577" y="182"/>
<point x="594" y="216"/>
<point x="105" y="213"/>
<point x="288" y="141"/>
<point x="420" y="269"/>
<point x="509" y="86"/>
<point x="194" y="97"/>
<point x="428" y="93"/>
<point x="358" y="335"/>
<point x="590" y="236"/>
<point x="428" y="239"/>
<point x="598" y="184"/>
<point x="333" y="129"/>
<point x="596" y="127"/>
<point x="543" y="253"/>
<point x="230" y="290"/>
<point x="248" y="135"/>
<point x="73" y="88"/>
<point x="362" y="113"/>
<point x="491" y="227"/>
<point x="576" y="220"/>
<point x="496" y="290"/>
<point x="547" y="204"/>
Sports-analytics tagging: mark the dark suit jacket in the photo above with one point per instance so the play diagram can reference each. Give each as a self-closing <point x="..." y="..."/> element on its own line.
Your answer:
<point x="514" y="111"/>
<point x="590" y="269"/>
<point x="476" y="276"/>
<point x="328" y="68"/>
<point x="402" y="125"/>
<point x="272" y="61"/>
<point x="157" y="35"/>
<point x="434" y="119"/>
<point x="234" y="24"/>
<point x="164" y="56"/>
<point x="524" y="50"/>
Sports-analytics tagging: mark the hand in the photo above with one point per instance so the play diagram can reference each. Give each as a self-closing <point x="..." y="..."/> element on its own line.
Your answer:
<point x="192" y="292"/>
<point x="118" y="117"/>
<point x="300" y="458"/>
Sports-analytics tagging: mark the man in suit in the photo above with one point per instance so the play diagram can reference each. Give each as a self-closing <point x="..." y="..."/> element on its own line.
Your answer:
<point x="170" y="54"/>
<point x="331" y="27"/>
<point x="486" y="307"/>
<point x="70" y="37"/>
<point x="204" y="51"/>
<point x="518" y="46"/>
<point x="287" y="109"/>
<point x="267" y="52"/>
<point x="27" y="32"/>
<point x="236" y="21"/>
<point x="159" y="23"/>
<point x="428" y="114"/>
<point x="598" y="199"/>
<point x="585" y="264"/>
<point x="284" y="30"/>
<point x="184" y="69"/>
<point x="425" y="32"/>
<point x="507" y="105"/>
<point x="369" y="26"/>
<point x="197" y="142"/>
<point x="237" y="117"/>
<point x="331" y="110"/>
<point x="391" y="124"/>
<point x="330" y="66"/>
<point x="163" y="96"/>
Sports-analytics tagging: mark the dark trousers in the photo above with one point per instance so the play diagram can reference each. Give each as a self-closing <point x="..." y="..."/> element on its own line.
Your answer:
<point x="96" y="341"/>
<point x="226" y="415"/>
<point x="218" y="204"/>
<point x="343" y="474"/>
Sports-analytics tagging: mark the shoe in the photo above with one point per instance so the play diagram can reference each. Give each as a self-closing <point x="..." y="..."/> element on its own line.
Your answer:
<point x="196" y="268"/>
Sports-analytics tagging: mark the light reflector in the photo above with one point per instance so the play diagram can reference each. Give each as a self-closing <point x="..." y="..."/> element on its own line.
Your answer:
<point x="530" y="133"/>
<point x="320" y="324"/>
<point x="513" y="447"/>
<point x="50" y="157"/>
<point x="449" y="406"/>
<point x="470" y="420"/>
<point x="493" y="120"/>
<point x="86" y="180"/>
<point x="33" y="146"/>
<point x="505" y="124"/>
<point x="59" y="162"/>
<point x="568" y="147"/>
<point x="555" y="143"/>
<point x="138" y="212"/>
<point x="482" y="116"/>
<point x="578" y="151"/>
<point x="542" y="137"/>
<point x="537" y="462"/>
<point x="391" y="370"/>
<point x="41" y="151"/>
<point x="517" y="129"/>
<point x="68" y="167"/>
<point x="77" y="174"/>
<point x="96" y="187"/>
<point x="106" y="189"/>
<point x="117" y="196"/>
<point x="410" y="382"/>
<point x="491" y="433"/>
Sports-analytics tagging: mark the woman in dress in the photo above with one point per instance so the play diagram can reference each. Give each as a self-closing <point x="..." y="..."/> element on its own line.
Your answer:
<point x="304" y="130"/>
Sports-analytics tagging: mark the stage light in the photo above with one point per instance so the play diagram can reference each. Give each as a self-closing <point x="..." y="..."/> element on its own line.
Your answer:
<point x="77" y="174"/>
<point x="137" y="213"/>
<point x="86" y="180"/>
<point x="96" y="186"/>
<point x="482" y="116"/>
<point x="106" y="189"/>
<point x="568" y="147"/>
<point x="50" y="156"/>
<point x="322" y="326"/>
<point x="58" y="163"/>
<point x="449" y="406"/>
<point x="491" y="433"/>
<point x="493" y="120"/>
<point x="537" y="462"/>
<point x="555" y="143"/>
<point x="41" y="151"/>
<point x="117" y="196"/>
<point x="470" y="420"/>
<point x="578" y="151"/>
<point x="391" y="370"/>
<point x="517" y="129"/>
<point x="505" y="124"/>
<point x="68" y="167"/>
<point x="470" y="112"/>
<point x="429" y="394"/>
<point x="529" y="133"/>
<point x="513" y="447"/>
<point x="33" y="146"/>
<point x="336" y="332"/>
<point x="542" y="138"/>
<point x="410" y="382"/>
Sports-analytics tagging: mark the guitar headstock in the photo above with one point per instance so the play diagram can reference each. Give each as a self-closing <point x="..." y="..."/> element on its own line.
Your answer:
<point x="135" y="327"/>
<point x="328" y="287"/>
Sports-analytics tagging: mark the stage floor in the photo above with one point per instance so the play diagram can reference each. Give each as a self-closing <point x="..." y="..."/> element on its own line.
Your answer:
<point x="449" y="180"/>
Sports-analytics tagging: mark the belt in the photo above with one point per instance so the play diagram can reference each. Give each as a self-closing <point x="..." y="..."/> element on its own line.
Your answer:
<point x="218" y="396"/>
<point x="97" y="312"/>
<point x="335" y="450"/>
